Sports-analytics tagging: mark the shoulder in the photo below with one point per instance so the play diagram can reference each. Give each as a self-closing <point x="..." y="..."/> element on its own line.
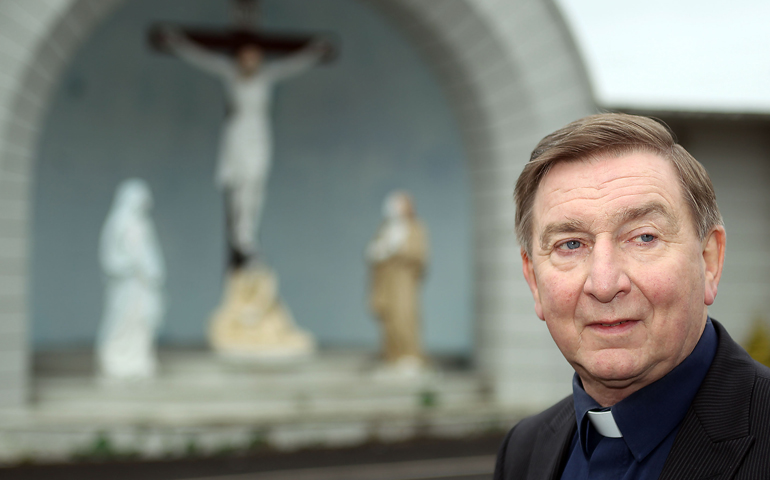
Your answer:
<point x="757" y="461"/>
<point x="732" y="359"/>
<point x="417" y="224"/>
<point x="734" y="372"/>
<point x="527" y="428"/>
<point x="735" y="401"/>
<point x="760" y="404"/>
<point x="520" y="445"/>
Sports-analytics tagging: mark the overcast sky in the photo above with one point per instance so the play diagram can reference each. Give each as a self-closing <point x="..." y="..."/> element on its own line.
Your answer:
<point x="696" y="55"/>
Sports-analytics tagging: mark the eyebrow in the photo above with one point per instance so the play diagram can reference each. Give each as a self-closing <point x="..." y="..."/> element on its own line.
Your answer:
<point x="624" y="216"/>
<point x="568" y="226"/>
<point x="652" y="208"/>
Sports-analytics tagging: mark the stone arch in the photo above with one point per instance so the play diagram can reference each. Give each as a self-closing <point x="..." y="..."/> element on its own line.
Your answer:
<point x="510" y="72"/>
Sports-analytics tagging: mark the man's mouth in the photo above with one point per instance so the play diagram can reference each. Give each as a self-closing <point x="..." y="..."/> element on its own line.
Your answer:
<point x="613" y="324"/>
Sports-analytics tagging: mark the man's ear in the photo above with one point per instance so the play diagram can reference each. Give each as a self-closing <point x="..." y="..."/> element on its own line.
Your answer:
<point x="529" y="275"/>
<point x="713" y="259"/>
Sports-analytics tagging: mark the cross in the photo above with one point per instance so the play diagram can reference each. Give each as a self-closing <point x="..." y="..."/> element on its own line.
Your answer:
<point x="244" y="32"/>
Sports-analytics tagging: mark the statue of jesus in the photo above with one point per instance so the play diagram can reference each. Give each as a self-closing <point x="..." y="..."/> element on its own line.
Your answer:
<point x="246" y="148"/>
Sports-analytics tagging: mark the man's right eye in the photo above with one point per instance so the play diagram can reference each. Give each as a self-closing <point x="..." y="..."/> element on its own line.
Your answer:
<point x="571" y="245"/>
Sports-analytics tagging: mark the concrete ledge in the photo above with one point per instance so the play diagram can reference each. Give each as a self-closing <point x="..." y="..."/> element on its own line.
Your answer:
<point x="335" y="400"/>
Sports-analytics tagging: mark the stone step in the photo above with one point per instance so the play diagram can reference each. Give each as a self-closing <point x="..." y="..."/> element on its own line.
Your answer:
<point x="192" y="377"/>
<point x="337" y="397"/>
<point x="61" y="389"/>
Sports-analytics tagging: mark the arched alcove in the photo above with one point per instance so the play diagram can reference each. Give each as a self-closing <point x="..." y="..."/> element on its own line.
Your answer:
<point x="345" y="135"/>
<point x="510" y="72"/>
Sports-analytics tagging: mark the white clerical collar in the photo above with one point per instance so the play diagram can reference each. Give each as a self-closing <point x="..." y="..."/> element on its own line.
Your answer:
<point x="604" y="423"/>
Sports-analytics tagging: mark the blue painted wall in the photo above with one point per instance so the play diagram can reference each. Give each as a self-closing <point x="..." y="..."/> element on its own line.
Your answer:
<point x="346" y="135"/>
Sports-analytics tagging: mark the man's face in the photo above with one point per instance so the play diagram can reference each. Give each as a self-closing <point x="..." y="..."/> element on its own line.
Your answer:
<point x="618" y="272"/>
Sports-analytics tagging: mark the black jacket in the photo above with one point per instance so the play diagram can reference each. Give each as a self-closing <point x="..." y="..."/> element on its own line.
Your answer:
<point x="724" y="435"/>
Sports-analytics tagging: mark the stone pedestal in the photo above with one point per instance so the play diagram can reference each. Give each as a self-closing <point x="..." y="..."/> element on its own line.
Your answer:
<point x="407" y="367"/>
<point x="252" y="324"/>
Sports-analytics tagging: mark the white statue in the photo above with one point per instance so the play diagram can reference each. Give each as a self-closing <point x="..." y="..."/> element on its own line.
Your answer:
<point x="134" y="272"/>
<point x="246" y="147"/>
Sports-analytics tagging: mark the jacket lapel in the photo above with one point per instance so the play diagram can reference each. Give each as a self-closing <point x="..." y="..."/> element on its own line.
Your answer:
<point x="714" y="435"/>
<point x="552" y="445"/>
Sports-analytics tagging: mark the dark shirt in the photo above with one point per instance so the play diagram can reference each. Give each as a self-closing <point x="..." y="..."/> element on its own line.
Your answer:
<point x="648" y="419"/>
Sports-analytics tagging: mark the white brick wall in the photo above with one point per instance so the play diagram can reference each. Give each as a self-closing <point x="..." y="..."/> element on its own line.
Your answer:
<point x="36" y="39"/>
<point x="737" y="156"/>
<point x="508" y="68"/>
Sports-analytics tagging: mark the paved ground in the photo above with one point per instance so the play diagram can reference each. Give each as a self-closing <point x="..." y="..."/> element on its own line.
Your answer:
<point x="466" y="459"/>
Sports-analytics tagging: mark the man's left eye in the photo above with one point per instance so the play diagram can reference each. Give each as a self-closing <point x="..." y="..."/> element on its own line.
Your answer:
<point x="646" y="237"/>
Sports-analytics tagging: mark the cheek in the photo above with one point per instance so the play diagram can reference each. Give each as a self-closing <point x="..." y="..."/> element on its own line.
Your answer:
<point x="565" y="336"/>
<point x="670" y="287"/>
<point x="660" y="291"/>
<point x="559" y="295"/>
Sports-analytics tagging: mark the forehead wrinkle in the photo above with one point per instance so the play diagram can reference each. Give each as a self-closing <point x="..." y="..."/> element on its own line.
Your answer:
<point x="582" y="193"/>
<point x="629" y="214"/>
<point x="631" y="176"/>
<point x="598" y="187"/>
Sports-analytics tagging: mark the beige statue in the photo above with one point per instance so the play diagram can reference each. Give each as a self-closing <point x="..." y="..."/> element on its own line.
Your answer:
<point x="397" y="256"/>
<point x="253" y="324"/>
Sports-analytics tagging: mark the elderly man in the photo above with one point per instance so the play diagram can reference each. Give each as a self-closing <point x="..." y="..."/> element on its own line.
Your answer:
<point x="622" y="248"/>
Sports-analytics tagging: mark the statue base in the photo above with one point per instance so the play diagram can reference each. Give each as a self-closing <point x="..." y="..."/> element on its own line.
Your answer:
<point x="252" y="325"/>
<point x="408" y="367"/>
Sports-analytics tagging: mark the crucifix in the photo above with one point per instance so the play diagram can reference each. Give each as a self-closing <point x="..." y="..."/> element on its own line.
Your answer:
<point x="243" y="33"/>
<point x="237" y="56"/>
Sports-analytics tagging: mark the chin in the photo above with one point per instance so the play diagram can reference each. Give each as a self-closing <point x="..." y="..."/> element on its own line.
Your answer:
<point x="613" y="366"/>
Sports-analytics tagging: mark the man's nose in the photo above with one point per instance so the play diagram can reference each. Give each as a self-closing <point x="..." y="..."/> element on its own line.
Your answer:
<point x="606" y="275"/>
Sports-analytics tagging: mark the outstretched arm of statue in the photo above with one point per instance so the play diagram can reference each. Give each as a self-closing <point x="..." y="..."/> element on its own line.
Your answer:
<point x="192" y="53"/>
<point x="297" y="63"/>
